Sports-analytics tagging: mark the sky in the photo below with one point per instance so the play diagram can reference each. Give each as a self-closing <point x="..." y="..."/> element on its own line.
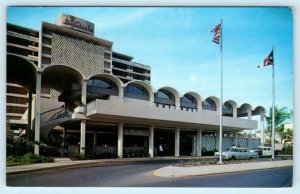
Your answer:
<point x="177" y="43"/>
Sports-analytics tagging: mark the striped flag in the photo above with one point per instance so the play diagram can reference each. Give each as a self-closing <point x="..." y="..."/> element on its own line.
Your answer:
<point x="267" y="61"/>
<point x="216" y="34"/>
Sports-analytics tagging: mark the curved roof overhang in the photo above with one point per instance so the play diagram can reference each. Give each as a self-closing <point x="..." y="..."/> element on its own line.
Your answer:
<point x="195" y="95"/>
<point x="144" y="84"/>
<point x="20" y="70"/>
<point x="243" y="110"/>
<point x="172" y="90"/>
<point x="60" y="77"/>
<point x="113" y="78"/>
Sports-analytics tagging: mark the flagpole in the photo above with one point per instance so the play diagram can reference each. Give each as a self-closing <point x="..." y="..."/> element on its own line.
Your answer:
<point x="273" y="108"/>
<point x="221" y="99"/>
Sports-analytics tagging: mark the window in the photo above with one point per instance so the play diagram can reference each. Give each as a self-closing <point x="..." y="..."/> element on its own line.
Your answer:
<point x="164" y="94"/>
<point x="136" y="89"/>
<point x="209" y="104"/>
<point x="102" y="83"/>
<point x="188" y="99"/>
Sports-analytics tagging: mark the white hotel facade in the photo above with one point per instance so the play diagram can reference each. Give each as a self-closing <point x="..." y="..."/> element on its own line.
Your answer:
<point x="74" y="84"/>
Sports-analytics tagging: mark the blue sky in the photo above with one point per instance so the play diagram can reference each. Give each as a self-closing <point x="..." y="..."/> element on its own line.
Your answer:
<point x="176" y="43"/>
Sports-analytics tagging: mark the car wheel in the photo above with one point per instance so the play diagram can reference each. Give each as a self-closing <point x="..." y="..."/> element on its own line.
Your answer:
<point x="232" y="158"/>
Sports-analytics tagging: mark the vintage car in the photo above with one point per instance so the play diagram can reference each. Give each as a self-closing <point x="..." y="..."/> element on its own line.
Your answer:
<point x="262" y="151"/>
<point x="235" y="153"/>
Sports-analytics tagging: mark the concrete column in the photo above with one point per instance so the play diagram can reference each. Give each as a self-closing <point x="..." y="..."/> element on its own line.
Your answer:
<point x="82" y="136"/>
<point x="199" y="142"/>
<point x="177" y="139"/>
<point x="177" y="103"/>
<point x="249" y="114"/>
<point x="29" y="117"/>
<point x="262" y="128"/>
<point x="151" y="141"/>
<point x="95" y="138"/>
<point x="83" y="92"/>
<point x="217" y="140"/>
<point x="64" y="136"/>
<point x="234" y="112"/>
<point x="235" y="138"/>
<point x="120" y="140"/>
<point x="37" y="123"/>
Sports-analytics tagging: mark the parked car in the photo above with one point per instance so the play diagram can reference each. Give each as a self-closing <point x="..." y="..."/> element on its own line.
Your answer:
<point x="262" y="151"/>
<point x="234" y="153"/>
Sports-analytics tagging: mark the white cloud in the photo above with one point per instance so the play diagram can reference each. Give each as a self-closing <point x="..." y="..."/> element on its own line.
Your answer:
<point x="193" y="77"/>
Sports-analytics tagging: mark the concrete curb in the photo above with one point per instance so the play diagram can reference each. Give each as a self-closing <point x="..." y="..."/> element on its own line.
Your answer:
<point x="80" y="163"/>
<point x="175" y="171"/>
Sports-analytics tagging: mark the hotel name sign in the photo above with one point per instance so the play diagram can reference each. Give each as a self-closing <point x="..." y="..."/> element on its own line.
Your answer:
<point x="135" y="132"/>
<point x="75" y="23"/>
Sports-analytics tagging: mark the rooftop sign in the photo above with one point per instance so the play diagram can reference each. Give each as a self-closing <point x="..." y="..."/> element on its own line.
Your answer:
<point x="75" y="23"/>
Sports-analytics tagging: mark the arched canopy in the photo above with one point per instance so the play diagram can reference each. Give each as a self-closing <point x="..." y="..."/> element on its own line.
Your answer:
<point x="229" y="107"/>
<point x="211" y="103"/>
<point x="244" y="109"/>
<point x="259" y="110"/>
<point x="60" y="77"/>
<point x="164" y="94"/>
<point x="172" y="91"/>
<point x="138" y="90"/>
<point x="144" y="84"/>
<point x="195" y="95"/>
<point x="112" y="78"/>
<point x="188" y="101"/>
<point x="20" y="70"/>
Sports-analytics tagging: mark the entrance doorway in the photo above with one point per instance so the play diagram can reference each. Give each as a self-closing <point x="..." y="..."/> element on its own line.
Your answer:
<point x="164" y="142"/>
<point x="188" y="143"/>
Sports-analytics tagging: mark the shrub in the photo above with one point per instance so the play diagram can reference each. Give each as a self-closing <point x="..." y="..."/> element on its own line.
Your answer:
<point x="28" y="158"/>
<point x="287" y="150"/>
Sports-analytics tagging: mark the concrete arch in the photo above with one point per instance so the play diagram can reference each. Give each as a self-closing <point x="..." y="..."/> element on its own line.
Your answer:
<point x="244" y="110"/>
<point x="175" y="94"/>
<point x="20" y="70"/>
<point x="234" y="106"/>
<point x="216" y="101"/>
<point x="144" y="84"/>
<point x="197" y="97"/>
<point x="60" y="77"/>
<point x="114" y="79"/>
<point x="258" y="110"/>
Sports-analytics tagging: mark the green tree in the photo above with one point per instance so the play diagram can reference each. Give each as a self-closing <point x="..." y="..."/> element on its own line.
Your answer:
<point x="282" y="116"/>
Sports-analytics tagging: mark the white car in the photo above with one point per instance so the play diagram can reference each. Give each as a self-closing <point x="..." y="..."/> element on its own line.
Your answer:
<point x="234" y="153"/>
<point x="262" y="151"/>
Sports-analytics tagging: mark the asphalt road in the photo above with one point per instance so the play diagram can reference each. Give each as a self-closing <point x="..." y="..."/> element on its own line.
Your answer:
<point x="141" y="175"/>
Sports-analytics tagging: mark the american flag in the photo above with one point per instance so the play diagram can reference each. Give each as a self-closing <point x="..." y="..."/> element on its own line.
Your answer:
<point x="267" y="61"/>
<point x="217" y="32"/>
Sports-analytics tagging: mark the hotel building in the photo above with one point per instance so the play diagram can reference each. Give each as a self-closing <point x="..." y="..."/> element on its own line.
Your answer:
<point x="62" y="79"/>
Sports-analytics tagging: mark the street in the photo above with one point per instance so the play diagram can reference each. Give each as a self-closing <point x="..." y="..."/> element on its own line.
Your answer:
<point x="140" y="174"/>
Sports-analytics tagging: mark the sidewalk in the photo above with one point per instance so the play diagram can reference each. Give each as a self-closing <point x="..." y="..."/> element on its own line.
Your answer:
<point x="67" y="163"/>
<point x="177" y="171"/>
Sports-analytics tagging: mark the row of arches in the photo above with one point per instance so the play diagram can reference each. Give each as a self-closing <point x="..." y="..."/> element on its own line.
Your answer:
<point x="62" y="77"/>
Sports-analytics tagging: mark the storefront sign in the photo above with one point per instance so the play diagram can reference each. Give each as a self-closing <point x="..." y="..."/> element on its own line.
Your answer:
<point x="135" y="132"/>
<point x="75" y="23"/>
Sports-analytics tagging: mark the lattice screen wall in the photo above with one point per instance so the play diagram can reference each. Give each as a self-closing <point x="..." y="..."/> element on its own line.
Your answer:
<point x="54" y="94"/>
<point x="209" y="142"/>
<point x="85" y="57"/>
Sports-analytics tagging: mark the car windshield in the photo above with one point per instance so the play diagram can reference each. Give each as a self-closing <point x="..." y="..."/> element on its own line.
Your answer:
<point x="257" y="148"/>
<point x="233" y="149"/>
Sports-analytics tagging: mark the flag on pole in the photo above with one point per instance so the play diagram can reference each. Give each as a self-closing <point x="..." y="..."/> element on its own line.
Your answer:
<point x="217" y="32"/>
<point x="267" y="61"/>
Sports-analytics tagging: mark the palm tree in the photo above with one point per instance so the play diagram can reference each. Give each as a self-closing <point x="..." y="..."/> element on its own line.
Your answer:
<point x="282" y="116"/>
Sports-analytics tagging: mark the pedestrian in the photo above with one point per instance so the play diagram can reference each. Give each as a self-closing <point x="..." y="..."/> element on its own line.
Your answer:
<point x="161" y="150"/>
